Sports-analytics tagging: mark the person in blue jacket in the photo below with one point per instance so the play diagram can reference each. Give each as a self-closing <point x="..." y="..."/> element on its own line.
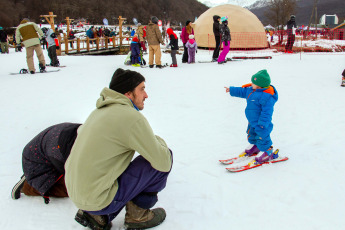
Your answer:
<point x="135" y="52"/>
<point x="261" y="97"/>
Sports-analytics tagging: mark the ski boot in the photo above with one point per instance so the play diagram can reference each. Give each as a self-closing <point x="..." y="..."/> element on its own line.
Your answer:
<point x="264" y="156"/>
<point x="42" y="68"/>
<point x="251" y="150"/>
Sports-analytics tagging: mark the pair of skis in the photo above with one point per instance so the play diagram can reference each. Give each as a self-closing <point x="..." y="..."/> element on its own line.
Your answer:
<point x="252" y="164"/>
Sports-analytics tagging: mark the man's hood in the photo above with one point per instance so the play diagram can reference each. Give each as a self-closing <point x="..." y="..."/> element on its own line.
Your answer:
<point x="109" y="97"/>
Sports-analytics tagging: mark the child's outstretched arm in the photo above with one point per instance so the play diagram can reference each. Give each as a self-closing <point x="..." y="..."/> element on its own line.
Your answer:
<point x="236" y="91"/>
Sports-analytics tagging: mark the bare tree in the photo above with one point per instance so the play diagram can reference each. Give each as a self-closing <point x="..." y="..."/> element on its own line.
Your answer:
<point x="279" y="11"/>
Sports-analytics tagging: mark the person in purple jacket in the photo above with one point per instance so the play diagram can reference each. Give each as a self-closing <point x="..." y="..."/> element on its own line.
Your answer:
<point x="192" y="49"/>
<point x="186" y="31"/>
<point x="261" y="97"/>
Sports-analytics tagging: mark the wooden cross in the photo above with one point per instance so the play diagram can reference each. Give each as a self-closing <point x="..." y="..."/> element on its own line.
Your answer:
<point x="121" y="19"/>
<point x="68" y="20"/>
<point x="50" y="19"/>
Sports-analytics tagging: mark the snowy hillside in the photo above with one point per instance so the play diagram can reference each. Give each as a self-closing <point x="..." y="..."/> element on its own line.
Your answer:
<point x="188" y="107"/>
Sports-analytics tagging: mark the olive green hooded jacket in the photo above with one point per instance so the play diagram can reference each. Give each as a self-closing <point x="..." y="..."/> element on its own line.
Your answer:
<point x="104" y="148"/>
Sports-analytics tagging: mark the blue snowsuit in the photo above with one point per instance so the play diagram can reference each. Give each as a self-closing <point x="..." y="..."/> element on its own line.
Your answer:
<point x="259" y="111"/>
<point x="135" y="49"/>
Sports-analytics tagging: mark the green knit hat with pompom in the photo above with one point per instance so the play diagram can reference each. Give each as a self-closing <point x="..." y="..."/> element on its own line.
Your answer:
<point x="261" y="78"/>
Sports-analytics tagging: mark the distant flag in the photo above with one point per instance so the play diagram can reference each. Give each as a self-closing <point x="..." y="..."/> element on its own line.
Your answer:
<point x="105" y="21"/>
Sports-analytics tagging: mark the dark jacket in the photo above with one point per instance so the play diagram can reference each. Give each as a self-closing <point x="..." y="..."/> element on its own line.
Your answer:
<point x="45" y="155"/>
<point x="216" y="25"/>
<point x="290" y="24"/>
<point x="173" y="42"/>
<point x="225" y="32"/>
<point x="3" y="36"/>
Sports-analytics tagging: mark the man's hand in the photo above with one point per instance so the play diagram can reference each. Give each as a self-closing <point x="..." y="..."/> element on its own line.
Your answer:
<point x="227" y="90"/>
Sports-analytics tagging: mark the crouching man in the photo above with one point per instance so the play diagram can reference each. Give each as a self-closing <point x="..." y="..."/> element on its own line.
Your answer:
<point x="101" y="177"/>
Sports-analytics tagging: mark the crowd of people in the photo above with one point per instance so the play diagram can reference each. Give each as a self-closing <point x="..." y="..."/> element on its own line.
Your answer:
<point x="92" y="165"/>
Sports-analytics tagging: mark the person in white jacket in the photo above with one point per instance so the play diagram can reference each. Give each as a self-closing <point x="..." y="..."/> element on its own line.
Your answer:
<point x="29" y="34"/>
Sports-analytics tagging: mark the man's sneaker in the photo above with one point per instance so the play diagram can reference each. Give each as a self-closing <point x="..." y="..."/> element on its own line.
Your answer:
<point x="95" y="222"/>
<point x="250" y="151"/>
<point x="139" y="218"/>
<point x="264" y="156"/>
<point x="16" y="189"/>
<point x="151" y="66"/>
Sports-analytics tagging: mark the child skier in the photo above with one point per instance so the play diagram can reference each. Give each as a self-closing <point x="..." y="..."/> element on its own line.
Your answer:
<point x="261" y="97"/>
<point x="50" y="38"/>
<point x="135" y="49"/>
<point x="192" y="49"/>
<point x="174" y="46"/>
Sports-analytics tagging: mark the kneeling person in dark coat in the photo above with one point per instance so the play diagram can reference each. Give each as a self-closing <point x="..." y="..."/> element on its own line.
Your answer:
<point x="43" y="162"/>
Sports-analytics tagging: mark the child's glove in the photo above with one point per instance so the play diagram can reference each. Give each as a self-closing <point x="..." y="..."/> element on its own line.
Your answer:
<point x="196" y="51"/>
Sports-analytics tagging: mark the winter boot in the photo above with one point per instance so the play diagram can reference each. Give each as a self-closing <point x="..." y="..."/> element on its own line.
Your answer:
<point x="250" y="151"/>
<point x="42" y="68"/>
<point x="17" y="188"/>
<point x="139" y="218"/>
<point x="343" y="82"/>
<point x="159" y="66"/>
<point x="264" y="156"/>
<point x="151" y="66"/>
<point x="95" y="222"/>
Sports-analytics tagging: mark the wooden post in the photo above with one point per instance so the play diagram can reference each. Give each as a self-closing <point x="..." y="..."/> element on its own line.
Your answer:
<point x="121" y="19"/>
<point x="78" y="45"/>
<point x="114" y="41"/>
<point x="87" y="44"/>
<point x="58" y="51"/>
<point x="50" y="19"/>
<point x="66" y="43"/>
<point x="68" y="22"/>
<point x="106" y="42"/>
<point x="97" y="43"/>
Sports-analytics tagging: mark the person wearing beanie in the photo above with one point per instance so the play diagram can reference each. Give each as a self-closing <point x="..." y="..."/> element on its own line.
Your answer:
<point x="226" y="38"/>
<point x="291" y="32"/>
<point x="216" y="32"/>
<point x="154" y="39"/>
<point x="141" y="32"/>
<point x="135" y="52"/>
<point x="186" y="31"/>
<point x="192" y="49"/>
<point x="29" y="34"/>
<point x="101" y="176"/>
<point x="174" y="46"/>
<point x="3" y="41"/>
<point x="261" y="97"/>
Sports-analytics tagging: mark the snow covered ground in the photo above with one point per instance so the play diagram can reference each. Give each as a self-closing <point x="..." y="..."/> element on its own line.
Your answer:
<point x="189" y="108"/>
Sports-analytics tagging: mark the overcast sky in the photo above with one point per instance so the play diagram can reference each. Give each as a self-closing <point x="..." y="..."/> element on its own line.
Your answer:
<point x="212" y="3"/>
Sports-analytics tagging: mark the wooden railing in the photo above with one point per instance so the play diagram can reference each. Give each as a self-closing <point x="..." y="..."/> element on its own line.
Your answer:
<point x="78" y="45"/>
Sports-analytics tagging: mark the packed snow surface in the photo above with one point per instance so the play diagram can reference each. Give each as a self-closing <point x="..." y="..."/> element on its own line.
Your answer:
<point x="188" y="107"/>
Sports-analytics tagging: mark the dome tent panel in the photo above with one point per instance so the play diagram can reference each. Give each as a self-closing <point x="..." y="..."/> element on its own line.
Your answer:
<point x="247" y="31"/>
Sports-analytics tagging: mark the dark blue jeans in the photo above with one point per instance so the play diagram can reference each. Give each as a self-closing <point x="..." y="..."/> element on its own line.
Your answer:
<point x="139" y="183"/>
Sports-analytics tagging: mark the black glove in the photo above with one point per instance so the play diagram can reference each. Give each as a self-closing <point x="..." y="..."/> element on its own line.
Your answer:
<point x="57" y="47"/>
<point x="196" y="51"/>
<point x="227" y="43"/>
